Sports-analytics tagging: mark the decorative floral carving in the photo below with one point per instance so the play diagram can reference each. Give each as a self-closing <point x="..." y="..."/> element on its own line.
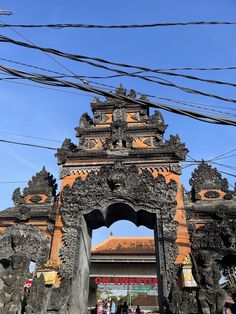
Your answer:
<point x="181" y="301"/>
<point x="59" y="297"/>
<point x="67" y="252"/>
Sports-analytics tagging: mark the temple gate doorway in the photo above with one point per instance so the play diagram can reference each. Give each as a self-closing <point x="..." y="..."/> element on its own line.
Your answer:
<point x="123" y="267"/>
<point x="122" y="168"/>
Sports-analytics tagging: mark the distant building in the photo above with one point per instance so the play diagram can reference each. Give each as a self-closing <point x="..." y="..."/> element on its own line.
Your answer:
<point x="124" y="266"/>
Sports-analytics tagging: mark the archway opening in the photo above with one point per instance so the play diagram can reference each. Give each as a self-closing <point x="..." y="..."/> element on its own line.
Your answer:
<point x="123" y="261"/>
<point x="119" y="211"/>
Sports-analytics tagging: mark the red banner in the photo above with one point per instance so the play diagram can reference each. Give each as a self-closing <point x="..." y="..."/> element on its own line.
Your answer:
<point x="126" y="280"/>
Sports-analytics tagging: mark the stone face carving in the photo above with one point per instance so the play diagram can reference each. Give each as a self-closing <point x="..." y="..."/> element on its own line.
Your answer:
<point x="24" y="238"/>
<point x="210" y="295"/>
<point x="118" y="181"/>
<point x="22" y="212"/>
<point x="207" y="178"/>
<point x="12" y="279"/>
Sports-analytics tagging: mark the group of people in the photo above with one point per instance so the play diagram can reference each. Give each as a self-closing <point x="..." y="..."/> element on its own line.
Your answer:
<point x="110" y="307"/>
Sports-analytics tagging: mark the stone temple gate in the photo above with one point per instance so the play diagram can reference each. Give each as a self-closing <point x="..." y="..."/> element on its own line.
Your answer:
<point x="122" y="168"/>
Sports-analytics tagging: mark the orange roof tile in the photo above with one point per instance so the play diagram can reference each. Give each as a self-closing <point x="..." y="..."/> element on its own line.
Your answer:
<point x="125" y="245"/>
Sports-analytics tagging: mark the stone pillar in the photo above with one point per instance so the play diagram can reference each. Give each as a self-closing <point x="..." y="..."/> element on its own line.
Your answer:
<point x="80" y="280"/>
<point x="159" y="248"/>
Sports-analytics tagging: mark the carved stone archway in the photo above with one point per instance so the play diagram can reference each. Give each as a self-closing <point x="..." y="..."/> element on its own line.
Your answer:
<point x="85" y="206"/>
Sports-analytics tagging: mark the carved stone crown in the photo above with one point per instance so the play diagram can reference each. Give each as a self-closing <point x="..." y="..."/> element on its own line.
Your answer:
<point x="122" y="128"/>
<point x="42" y="183"/>
<point x="207" y="178"/>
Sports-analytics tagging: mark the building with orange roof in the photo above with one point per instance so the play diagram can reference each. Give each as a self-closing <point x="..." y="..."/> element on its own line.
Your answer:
<point x="124" y="266"/>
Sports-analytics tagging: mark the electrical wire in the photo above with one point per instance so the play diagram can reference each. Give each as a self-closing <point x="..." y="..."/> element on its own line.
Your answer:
<point x="32" y="66"/>
<point x="202" y="109"/>
<point x="44" y="79"/>
<point x="224" y="154"/>
<point x="229" y="174"/>
<point x="226" y="157"/>
<point x="48" y="88"/>
<point x="185" y="103"/>
<point x="70" y="25"/>
<point x="26" y="144"/>
<point x="45" y="52"/>
<point x="85" y="59"/>
<point x="83" y="76"/>
<point x="223" y="165"/>
<point x="191" y="77"/>
<point x="29" y="136"/>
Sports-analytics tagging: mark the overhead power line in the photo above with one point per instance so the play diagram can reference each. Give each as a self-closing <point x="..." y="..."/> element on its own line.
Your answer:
<point x="111" y="76"/>
<point x="77" y="57"/>
<point x="47" y="80"/>
<point x="45" y="87"/>
<point x="30" y="136"/>
<point x="85" y="59"/>
<point x="228" y="156"/>
<point x="229" y="174"/>
<point x="110" y="86"/>
<point x="224" y="154"/>
<point x="26" y="144"/>
<point x="185" y="103"/>
<point x="165" y="24"/>
<point x="31" y="66"/>
<point x="45" y="52"/>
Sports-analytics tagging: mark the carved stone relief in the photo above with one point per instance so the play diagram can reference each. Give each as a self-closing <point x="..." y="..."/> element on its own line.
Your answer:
<point x="26" y="239"/>
<point x="12" y="279"/>
<point x="118" y="181"/>
<point x="136" y="187"/>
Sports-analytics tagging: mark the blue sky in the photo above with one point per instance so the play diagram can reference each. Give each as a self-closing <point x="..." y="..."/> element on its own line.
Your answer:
<point x="54" y="115"/>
